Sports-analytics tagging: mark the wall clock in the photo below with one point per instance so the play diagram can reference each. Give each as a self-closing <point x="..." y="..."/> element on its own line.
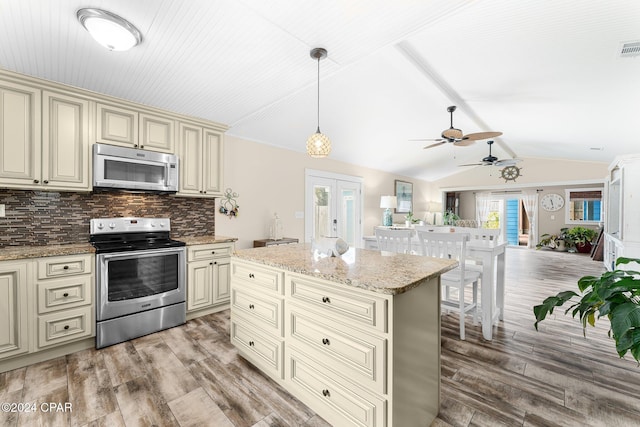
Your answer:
<point x="552" y="202"/>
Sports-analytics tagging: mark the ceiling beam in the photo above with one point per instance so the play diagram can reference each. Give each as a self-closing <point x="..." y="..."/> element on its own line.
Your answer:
<point x="405" y="48"/>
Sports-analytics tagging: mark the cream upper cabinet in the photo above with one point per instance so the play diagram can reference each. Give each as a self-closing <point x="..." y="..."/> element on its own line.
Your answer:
<point x="14" y="336"/>
<point x="133" y="129"/>
<point x="116" y="126"/>
<point x="20" y="139"/>
<point x="201" y="158"/>
<point x="65" y="141"/>
<point x="156" y="133"/>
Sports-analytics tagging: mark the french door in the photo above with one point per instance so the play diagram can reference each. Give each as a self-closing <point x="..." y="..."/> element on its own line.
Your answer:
<point x="333" y="207"/>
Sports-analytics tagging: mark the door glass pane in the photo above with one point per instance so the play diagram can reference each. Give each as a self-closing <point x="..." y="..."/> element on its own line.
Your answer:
<point x="143" y="276"/>
<point x="321" y="211"/>
<point x="348" y="214"/>
<point x="133" y="172"/>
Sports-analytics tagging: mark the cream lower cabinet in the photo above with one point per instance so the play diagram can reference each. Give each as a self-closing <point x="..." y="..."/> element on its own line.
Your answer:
<point x="14" y="309"/>
<point x="45" y="303"/>
<point x="201" y="161"/>
<point x="208" y="277"/>
<point x="357" y="358"/>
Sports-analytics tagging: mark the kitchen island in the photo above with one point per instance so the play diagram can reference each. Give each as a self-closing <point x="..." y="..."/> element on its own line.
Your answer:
<point x="355" y="337"/>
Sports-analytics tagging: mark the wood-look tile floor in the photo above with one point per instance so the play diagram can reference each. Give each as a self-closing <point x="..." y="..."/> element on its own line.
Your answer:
<point x="192" y="376"/>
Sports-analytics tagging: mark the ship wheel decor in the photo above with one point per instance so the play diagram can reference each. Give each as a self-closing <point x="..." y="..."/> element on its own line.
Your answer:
<point x="228" y="204"/>
<point x="510" y="173"/>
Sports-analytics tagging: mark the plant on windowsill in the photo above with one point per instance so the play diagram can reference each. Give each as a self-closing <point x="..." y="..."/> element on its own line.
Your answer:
<point x="615" y="294"/>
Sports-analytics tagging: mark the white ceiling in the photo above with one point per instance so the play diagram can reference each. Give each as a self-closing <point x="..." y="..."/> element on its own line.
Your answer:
<point x="545" y="72"/>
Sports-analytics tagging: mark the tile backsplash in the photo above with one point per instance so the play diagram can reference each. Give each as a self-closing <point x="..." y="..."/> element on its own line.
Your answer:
<point x="40" y="218"/>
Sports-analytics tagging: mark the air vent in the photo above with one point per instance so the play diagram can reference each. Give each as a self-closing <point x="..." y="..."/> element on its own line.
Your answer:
<point x="629" y="49"/>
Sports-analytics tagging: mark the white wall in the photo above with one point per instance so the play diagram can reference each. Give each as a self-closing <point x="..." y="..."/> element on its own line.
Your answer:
<point x="270" y="179"/>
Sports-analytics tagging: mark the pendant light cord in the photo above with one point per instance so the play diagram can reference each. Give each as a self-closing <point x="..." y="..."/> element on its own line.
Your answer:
<point x="318" y="131"/>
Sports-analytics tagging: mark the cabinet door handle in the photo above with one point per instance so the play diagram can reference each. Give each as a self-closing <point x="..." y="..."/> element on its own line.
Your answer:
<point x="135" y="145"/>
<point x="213" y="252"/>
<point x="251" y="343"/>
<point x="326" y="299"/>
<point x="35" y="181"/>
<point x="326" y="393"/>
<point x="66" y="327"/>
<point x="46" y="181"/>
<point x="204" y="192"/>
<point x="142" y="146"/>
<point x="210" y="263"/>
<point x="215" y="262"/>
<point x="66" y="294"/>
<point x="66" y="267"/>
<point x="325" y="341"/>
<point x="251" y="276"/>
<point x="251" y="306"/>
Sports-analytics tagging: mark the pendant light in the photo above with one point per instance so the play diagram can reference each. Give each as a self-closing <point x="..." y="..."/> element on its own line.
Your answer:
<point x="108" y="29"/>
<point x="318" y="144"/>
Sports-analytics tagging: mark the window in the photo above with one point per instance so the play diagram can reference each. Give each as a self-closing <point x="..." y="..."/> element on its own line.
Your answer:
<point x="583" y="206"/>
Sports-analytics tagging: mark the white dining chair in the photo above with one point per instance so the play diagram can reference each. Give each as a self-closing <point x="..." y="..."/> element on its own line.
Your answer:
<point x="453" y="246"/>
<point x="489" y="234"/>
<point x="390" y="240"/>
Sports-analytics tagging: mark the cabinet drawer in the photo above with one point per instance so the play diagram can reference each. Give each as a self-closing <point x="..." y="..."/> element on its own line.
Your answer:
<point x="65" y="326"/>
<point x="336" y="402"/>
<point x="262" y="278"/>
<point x="203" y="252"/>
<point x="69" y="292"/>
<point x="357" y="308"/>
<point x="64" y="266"/>
<point x="262" y="309"/>
<point x="263" y="350"/>
<point x="351" y="353"/>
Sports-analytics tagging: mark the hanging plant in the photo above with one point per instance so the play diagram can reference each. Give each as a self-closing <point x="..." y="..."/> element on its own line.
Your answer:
<point x="228" y="205"/>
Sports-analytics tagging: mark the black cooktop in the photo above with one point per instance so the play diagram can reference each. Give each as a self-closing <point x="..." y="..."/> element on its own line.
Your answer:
<point x="122" y="242"/>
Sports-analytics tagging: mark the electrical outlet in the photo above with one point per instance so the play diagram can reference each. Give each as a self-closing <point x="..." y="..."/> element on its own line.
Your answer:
<point x="2" y="214"/>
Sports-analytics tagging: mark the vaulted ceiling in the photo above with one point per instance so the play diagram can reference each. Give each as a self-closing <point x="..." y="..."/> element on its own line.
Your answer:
<point x="547" y="73"/>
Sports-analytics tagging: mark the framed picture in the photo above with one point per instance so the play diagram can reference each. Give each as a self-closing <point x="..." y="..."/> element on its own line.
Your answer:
<point x="404" y="194"/>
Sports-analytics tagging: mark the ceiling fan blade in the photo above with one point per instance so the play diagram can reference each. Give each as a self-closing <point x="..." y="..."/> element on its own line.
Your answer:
<point x="429" y="139"/>
<point x="472" y="164"/>
<point x="435" y="145"/>
<point x="482" y="135"/>
<point x="464" y="142"/>
<point x="506" y="162"/>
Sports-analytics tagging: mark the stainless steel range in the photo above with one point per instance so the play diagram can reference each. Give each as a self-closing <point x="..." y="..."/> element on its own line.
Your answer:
<point x="140" y="278"/>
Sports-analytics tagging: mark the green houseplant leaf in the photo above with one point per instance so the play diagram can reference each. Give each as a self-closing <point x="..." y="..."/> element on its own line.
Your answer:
<point x="615" y="294"/>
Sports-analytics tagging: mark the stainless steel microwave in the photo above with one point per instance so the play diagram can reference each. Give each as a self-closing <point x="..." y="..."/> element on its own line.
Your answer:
<point x="131" y="169"/>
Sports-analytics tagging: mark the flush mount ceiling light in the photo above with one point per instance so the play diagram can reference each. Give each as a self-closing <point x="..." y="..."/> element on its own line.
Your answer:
<point x="108" y="29"/>
<point x="318" y="144"/>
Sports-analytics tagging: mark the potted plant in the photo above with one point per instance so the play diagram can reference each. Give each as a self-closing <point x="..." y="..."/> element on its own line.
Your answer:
<point x="449" y="218"/>
<point x="581" y="237"/>
<point x="615" y="294"/>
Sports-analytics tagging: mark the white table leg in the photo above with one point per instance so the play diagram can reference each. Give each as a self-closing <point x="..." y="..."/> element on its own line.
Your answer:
<point x="487" y="295"/>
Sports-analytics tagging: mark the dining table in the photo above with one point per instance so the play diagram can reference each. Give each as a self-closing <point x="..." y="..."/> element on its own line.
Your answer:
<point x="492" y="290"/>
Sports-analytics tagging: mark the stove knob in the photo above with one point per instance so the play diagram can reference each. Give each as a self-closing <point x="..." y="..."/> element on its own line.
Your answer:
<point x="100" y="226"/>
<point x="112" y="225"/>
<point x="153" y="225"/>
<point x="162" y="224"/>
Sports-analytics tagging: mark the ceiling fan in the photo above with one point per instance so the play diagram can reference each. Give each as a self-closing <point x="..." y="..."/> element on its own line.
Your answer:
<point x="492" y="160"/>
<point x="456" y="137"/>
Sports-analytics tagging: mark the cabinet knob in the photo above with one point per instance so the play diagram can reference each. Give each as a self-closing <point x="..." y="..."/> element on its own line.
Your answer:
<point x="66" y="267"/>
<point x="66" y="327"/>
<point x="66" y="294"/>
<point x="215" y="262"/>
<point x="251" y="276"/>
<point x="142" y="146"/>
<point x="325" y="341"/>
<point x="35" y="181"/>
<point x="326" y="393"/>
<point x="135" y="145"/>
<point x="46" y="181"/>
<point x="251" y="343"/>
<point x="251" y="306"/>
<point x="213" y="252"/>
<point x="210" y="263"/>
<point x="201" y="191"/>
<point x="204" y="192"/>
<point x="326" y="299"/>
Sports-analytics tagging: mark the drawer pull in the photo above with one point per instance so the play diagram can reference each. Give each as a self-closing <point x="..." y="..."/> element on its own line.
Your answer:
<point x="66" y="327"/>
<point x="213" y="252"/>
<point x="66" y="267"/>
<point x="251" y="306"/>
<point x="251" y="343"/>
<point x="251" y="276"/>
<point x="326" y="393"/>
<point x="325" y="341"/>
<point x="66" y="294"/>
<point x="326" y="299"/>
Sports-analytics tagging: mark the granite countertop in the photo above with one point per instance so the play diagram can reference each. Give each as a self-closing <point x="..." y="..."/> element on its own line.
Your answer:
<point x="205" y="240"/>
<point x="383" y="272"/>
<point x="22" y="252"/>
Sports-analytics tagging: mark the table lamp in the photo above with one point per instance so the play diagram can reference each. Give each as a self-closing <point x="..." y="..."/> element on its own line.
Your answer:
<point x="388" y="203"/>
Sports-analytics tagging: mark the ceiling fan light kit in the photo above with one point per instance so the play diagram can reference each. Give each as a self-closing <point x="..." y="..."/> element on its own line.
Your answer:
<point x="318" y="144"/>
